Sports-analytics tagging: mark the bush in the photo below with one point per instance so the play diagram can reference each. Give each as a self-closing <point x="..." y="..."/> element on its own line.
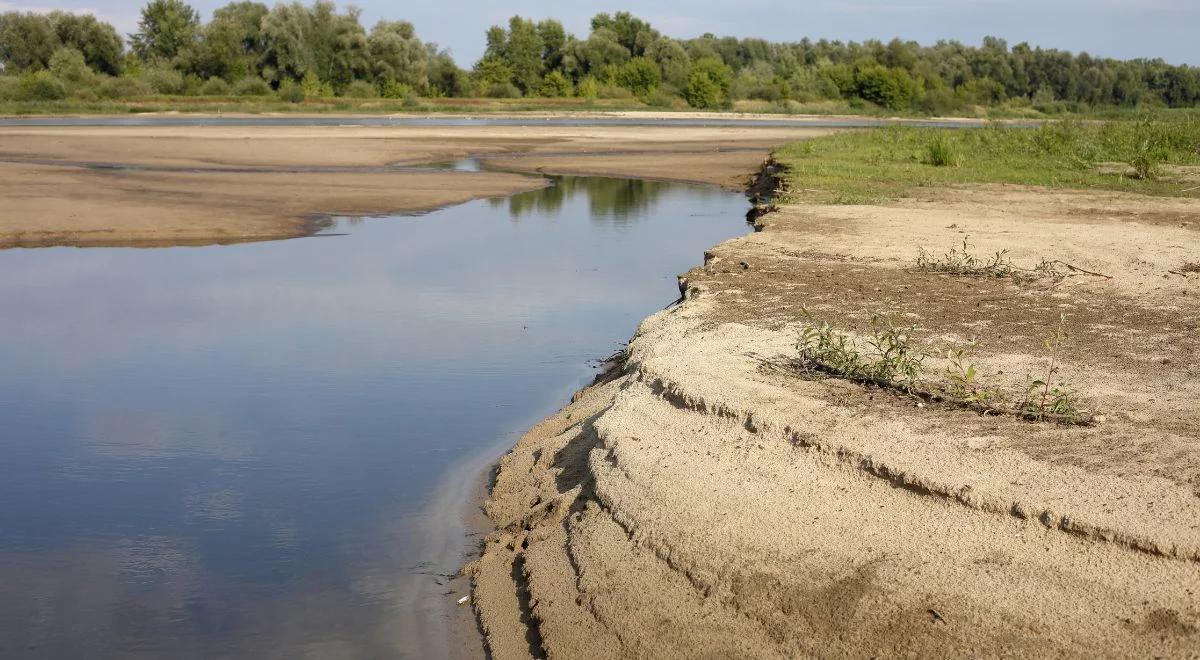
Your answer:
<point x="662" y="98"/>
<point x="606" y="91"/>
<point x="251" y="87"/>
<point x="502" y="90"/>
<point x="893" y="89"/>
<point x="163" y="81"/>
<point x="215" y="87"/>
<point x="359" y="89"/>
<point x="290" y="92"/>
<point x="639" y="75"/>
<point x="555" y="84"/>
<point x="587" y="88"/>
<point x="41" y="86"/>
<point x="709" y="83"/>
<point x="67" y="65"/>
<point x="390" y="89"/>
<point x="123" y="88"/>
<point x="9" y="88"/>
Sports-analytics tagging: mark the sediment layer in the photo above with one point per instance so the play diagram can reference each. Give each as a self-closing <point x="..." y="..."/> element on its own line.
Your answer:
<point x="709" y="501"/>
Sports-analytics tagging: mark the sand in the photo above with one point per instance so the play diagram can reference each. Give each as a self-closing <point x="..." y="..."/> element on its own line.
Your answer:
<point x="711" y="501"/>
<point x="162" y="185"/>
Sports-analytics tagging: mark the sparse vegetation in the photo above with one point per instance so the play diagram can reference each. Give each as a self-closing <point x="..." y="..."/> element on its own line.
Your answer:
<point x="862" y="167"/>
<point x="889" y="357"/>
<point x="963" y="261"/>
<point x="1043" y="396"/>
<point x="942" y="153"/>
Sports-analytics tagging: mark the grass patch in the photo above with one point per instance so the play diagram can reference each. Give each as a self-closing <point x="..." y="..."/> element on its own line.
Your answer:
<point x="867" y="166"/>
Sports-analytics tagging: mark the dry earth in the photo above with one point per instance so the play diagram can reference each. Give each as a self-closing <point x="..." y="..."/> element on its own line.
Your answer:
<point x="197" y="185"/>
<point x="710" y="501"/>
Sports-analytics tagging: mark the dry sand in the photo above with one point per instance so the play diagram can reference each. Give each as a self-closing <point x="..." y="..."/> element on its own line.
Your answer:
<point x="707" y="502"/>
<point x="195" y="185"/>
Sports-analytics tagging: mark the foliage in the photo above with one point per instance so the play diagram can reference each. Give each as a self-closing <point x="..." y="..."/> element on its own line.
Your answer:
<point x="291" y="92"/>
<point x="360" y="89"/>
<point x="555" y="84"/>
<point x="167" y="28"/>
<point x="215" y="87"/>
<point x="964" y="261"/>
<point x="639" y="75"/>
<point x="709" y="83"/>
<point x="941" y="153"/>
<point x="247" y="39"/>
<point x="864" y="166"/>
<point x="1042" y="395"/>
<point x="251" y="87"/>
<point x="892" y="360"/>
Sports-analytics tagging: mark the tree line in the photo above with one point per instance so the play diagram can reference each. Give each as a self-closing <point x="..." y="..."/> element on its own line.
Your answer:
<point x="299" y="51"/>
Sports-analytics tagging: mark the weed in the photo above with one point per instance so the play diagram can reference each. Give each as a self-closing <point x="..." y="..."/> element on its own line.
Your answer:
<point x="940" y="152"/>
<point x="892" y="362"/>
<point x="964" y="378"/>
<point x="1043" y="396"/>
<point x="964" y="261"/>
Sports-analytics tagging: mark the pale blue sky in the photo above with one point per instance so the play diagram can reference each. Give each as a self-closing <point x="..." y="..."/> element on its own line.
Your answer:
<point x="1115" y="28"/>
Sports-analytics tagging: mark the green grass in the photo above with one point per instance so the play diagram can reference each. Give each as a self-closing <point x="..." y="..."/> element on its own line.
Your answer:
<point x="866" y="166"/>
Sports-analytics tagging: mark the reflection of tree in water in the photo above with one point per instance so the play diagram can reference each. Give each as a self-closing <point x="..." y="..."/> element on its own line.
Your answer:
<point x="615" y="200"/>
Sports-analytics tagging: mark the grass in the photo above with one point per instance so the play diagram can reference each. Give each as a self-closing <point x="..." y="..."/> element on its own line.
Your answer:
<point x="867" y="166"/>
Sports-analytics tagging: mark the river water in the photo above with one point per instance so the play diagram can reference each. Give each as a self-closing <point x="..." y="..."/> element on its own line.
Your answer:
<point x="236" y="451"/>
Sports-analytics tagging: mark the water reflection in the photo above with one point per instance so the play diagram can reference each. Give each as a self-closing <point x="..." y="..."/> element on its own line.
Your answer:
<point x="230" y="451"/>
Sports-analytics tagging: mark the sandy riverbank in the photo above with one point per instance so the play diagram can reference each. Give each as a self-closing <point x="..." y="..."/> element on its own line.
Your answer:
<point x="197" y="185"/>
<point x="711" y="500"/>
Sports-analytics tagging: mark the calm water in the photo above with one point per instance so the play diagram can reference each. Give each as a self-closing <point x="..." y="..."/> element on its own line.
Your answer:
<point x="233" y="451"/>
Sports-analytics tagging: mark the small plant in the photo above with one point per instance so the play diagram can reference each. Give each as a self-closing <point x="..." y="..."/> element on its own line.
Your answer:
<point x="964" y="261"/>
<point x="941" y="153"/>
<point x="893" y="362"/>
<point x="1042" y="395"/>
<point x="964" y="378"/>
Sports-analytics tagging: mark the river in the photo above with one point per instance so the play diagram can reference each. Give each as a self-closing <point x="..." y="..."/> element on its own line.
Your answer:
<point x="245" y="451"/>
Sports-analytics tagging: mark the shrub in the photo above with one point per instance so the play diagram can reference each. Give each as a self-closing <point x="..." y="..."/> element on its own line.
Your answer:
<point x="555" y="84"/>
<point x="662" y="98"/>
<point x="587" y="88"/>
<point x="123" y="88"/>
<point x="41" y="86"/>
<point x="709" y="83"/>
<point x="215" y="87"/>
<point x="67" y="65"/>
<point x="390" y="89"/>
<point x="606" y="91"/>
<point x="290" y="92"/>
<point x="360" y="89"/>
<point x="251" y="87"/>
<point x="502" y="90"/>
<point x="893" y="89"/>
<point x="639" y="75"/>
<point x="313" y="88"/>
<point x="163" y="80"/>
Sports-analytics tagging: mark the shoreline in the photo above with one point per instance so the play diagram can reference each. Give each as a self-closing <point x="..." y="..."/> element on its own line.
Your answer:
<point x="707" y="500"/>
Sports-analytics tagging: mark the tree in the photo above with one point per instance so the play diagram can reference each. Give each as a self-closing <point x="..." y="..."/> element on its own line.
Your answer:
<point x="555" y="84"/>
<point x="27" y="41"/>
<point x="709" y="83"/>
<point x="98" y="42"/>
<point x="231" y="45"/>
<point x="167" y="28"/>
<point x="397" y="55"/>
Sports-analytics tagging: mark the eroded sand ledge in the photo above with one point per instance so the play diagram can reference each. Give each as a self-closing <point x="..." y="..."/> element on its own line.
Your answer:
<point x="703" y="503"/>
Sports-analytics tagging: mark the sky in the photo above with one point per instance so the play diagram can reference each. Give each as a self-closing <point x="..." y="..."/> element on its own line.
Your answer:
<point x="1111" y="28"/>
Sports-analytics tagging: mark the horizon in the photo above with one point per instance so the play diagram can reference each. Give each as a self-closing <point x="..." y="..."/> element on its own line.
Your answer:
<point x="1116" y="29"/>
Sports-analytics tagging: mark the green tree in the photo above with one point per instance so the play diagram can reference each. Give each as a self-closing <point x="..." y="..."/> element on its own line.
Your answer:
<point x="397" y="55"/>
<point x="639" y="75"/>
<point x="27" y="41"/>
<point x="555" y="84"/>
<point x="893" y="89"/>
<point x="709" y="83"/>
<point x="98" y="42"/>
<point x="166" y="29"/>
